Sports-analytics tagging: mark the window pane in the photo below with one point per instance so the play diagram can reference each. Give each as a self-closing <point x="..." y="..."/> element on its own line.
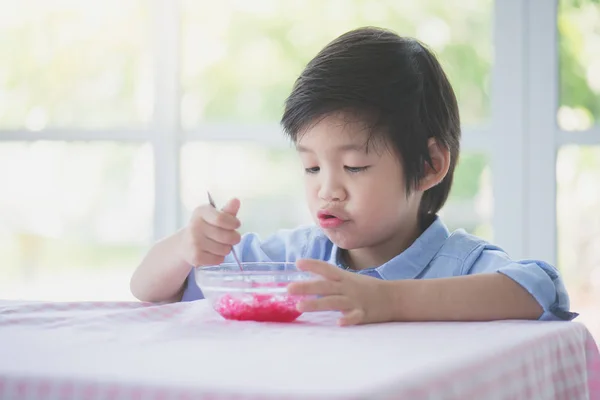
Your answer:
<point x="470" y="204"/>
<point x="578" y="214"/>
<point x="579" y="41"/>
<point x="269" y="184"/>
<point x="240" y="59"/>
<point x="70" y="63"/>
<point x="267" y="181"/>
<point x="74" y="218"/>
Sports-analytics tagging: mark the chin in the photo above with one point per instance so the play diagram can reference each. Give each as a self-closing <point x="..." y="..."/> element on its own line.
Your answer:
<point x="346" y="241"/>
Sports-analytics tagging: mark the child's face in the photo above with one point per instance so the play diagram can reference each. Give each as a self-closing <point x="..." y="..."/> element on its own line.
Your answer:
<point x="356" y="194"/>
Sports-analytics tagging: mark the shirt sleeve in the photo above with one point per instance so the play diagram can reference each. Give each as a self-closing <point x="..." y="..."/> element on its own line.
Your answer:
<point x="286" y="245"/>
<point x="540" y="279"/>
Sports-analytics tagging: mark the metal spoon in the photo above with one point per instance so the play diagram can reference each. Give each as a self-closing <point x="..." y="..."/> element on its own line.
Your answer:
<point x="237" y="260"/>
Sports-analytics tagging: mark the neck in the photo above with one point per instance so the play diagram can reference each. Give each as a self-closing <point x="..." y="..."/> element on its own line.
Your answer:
<point x="380" y="253"/>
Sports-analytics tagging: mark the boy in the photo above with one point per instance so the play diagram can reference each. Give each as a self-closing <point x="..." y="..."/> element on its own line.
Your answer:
<point x="376" y="125"/>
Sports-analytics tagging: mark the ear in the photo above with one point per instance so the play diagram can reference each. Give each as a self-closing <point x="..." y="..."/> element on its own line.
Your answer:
<point x="440" y="159"/>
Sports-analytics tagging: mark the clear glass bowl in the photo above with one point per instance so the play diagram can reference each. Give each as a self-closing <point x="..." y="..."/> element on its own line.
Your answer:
<point x="258" y="293"/>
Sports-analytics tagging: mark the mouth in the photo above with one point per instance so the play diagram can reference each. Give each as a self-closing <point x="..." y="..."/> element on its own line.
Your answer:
<point x="327" y="219"/>
<point x="322" y="214"/>
<point x="327" y="216"/>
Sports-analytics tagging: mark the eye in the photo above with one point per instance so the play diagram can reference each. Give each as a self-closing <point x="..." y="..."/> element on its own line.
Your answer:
<point x="312" y="170"/>
<point x="356" y="169"/>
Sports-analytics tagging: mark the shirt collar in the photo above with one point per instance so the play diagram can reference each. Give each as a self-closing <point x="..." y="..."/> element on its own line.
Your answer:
<point x="412" y="261"/>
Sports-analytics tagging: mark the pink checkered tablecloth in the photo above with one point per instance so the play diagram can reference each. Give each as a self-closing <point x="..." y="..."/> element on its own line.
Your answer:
<point x="185" y="351"/>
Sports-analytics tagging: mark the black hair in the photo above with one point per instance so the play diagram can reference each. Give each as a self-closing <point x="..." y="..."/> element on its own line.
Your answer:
<point x="397" y="85"/>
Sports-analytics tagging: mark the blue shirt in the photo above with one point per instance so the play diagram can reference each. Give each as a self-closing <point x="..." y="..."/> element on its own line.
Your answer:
<point x="437" y="253"/>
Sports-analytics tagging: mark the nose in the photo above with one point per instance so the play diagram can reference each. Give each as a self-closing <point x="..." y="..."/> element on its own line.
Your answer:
<point x="331" y="188"/>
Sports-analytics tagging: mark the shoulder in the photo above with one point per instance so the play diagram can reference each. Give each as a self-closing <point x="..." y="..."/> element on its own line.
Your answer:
<point x="475" y="254"/>
<point x="461" y="244"/>
<point x="467" y="249"/>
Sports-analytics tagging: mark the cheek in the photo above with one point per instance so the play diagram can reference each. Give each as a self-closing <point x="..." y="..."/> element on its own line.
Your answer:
<point x="310" y="190"/>
<point x="387" y="184"/>
<point x="385" y="196"/>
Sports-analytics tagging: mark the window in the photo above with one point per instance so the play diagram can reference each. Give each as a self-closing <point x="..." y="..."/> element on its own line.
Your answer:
<point x="578" y="174"/>
<point x="241" y="58"/>
<point x="579" y="47"/>
<point x="470" y="205"/>
<point x="578" y="205"/>
<point x="74" y="213"/>
<point x="578" y="161"/>
<point x="75" y="65"/>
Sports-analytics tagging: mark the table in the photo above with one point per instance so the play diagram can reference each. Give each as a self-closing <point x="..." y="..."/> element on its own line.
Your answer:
<point x="129" y="350"/>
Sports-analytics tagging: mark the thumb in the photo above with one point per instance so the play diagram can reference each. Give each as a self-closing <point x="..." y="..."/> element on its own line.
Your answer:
<point x="232" y="207"/>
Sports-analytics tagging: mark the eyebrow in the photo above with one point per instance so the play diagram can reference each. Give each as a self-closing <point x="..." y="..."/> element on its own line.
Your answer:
<point x="343" y="148"/>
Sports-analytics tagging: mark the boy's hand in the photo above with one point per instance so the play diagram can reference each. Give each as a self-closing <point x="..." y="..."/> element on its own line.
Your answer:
<point x="210" y="234"/>
<point x="361" y="299"/>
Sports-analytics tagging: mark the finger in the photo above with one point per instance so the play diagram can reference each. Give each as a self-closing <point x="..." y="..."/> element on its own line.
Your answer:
<point x="326" y="270"/>
<point x="211" y="246"/>
<point x="328" y="303"/>
<point x="232" y="207"/>
<point x="352" y="317"/>
<point x="315" y="287"/>
<point x="219" y="219"/>
<point x="220" y="235"/>
<point x="203" y="259"/>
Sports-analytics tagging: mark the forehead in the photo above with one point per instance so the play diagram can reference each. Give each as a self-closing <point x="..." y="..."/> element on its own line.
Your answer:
<point x="339" y="131"/>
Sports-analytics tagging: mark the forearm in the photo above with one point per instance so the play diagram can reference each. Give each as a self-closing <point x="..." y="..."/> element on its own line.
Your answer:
<point x="481" y="297"/>
<point x="162" y="273"/>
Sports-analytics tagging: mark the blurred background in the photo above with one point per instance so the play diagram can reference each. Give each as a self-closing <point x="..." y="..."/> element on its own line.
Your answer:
<point x="116" y="116"/>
